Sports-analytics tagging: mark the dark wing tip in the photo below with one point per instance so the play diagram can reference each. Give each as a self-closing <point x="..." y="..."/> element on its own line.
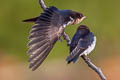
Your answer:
<point x="68" y="60"/>
<point x="30" y="20"/>
<point x="73" y="57"/>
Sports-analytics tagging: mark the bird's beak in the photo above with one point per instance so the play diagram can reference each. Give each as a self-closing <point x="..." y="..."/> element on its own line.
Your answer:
<point x="82" y="18"/>
<point x="77" y="21"/>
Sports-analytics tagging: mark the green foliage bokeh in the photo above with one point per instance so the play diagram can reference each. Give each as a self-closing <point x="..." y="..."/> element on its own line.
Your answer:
<point x="103" y="18"/>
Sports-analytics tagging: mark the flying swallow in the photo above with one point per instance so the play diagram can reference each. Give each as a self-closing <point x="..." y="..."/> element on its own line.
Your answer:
<point x="48" y="29"/>
<point x="83" y="42"/>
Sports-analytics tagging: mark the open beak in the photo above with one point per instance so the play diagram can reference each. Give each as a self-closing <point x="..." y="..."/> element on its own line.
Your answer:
<point x="77" y="21"/>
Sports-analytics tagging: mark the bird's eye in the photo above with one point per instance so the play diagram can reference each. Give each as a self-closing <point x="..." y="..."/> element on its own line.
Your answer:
<point x="79" y="15"/>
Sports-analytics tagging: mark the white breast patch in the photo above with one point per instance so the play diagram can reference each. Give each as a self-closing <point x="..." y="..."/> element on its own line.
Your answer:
<point x="90" y="48"/>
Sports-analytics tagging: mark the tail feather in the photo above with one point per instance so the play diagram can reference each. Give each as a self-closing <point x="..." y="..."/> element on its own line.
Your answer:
<point x="31" y="19"/>
<point x="73" y="57"/>
<point x="72" y="60"/>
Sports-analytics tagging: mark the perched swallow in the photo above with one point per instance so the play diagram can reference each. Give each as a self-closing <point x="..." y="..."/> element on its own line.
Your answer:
<point x="83" y="42"/>
<point x="48" y="28"/>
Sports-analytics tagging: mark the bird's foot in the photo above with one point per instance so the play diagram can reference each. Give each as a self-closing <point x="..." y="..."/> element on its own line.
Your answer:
<point x="68" y="43"/>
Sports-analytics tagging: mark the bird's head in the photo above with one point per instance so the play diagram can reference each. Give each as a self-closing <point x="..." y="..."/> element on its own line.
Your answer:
<point x="72" y="17"/>
<point x="78" y="17"/>
<point x="83" y="30"/>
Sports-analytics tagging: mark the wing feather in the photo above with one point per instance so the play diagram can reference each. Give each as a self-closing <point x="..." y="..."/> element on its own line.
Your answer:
<point x="36" y="46"/>
<point x="74" y="54"/>
<point x="38" y="52"/>
<point x="40" y="40"/>
<point x="39" y="58"/>
<point x="42" y="59"/>
<point x="43" y="36"/>
<point x="77" y="49"/>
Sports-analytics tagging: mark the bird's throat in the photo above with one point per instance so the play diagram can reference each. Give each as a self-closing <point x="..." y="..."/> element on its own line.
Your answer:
<point x="77" y="21"/>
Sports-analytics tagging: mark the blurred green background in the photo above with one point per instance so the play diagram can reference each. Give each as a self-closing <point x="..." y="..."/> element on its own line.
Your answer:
<point x="103" y="18"/>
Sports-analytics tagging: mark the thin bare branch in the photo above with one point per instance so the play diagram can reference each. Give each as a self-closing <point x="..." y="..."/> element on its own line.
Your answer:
<point x="42" y="4"/>
<point x="66" y="37"/>
<point x="96" y="69"/>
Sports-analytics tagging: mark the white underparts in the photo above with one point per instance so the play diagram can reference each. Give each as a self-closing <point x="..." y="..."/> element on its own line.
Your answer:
<point x="90" y="48"/>
<point x="64" y="25"/>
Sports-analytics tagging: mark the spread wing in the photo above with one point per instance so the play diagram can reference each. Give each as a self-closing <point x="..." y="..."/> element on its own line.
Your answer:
<point x="43" y="36"/>
<point x="81" y="46"/>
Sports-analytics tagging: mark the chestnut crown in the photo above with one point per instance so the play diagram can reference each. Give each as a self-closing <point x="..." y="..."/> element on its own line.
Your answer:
<point x="83" y="30"/>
